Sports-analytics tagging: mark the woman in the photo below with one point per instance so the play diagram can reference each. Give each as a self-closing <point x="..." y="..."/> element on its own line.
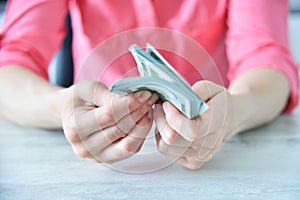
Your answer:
<point x="246" y="39"/>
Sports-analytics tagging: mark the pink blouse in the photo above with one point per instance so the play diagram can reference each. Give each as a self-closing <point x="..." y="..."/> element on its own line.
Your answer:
<point x="238" y="35"/>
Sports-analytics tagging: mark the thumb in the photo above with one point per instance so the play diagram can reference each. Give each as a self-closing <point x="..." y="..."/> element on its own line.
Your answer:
<point x="92" y="92"/>
<point x="207" y="89"/>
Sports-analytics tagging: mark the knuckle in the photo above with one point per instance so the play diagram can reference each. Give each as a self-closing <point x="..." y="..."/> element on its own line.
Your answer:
<point x="91" y="83"/>
<point x="81" y="152"/>
<point x="71" y="131"/>
<point x="162" y="147"/>
<point x="209" y="157"/>
<point x="108" y="113"/>
<point x="128" y="148"/>
<point x="132" y="103"/>
<point x="72" y="135"/>
<point x="194" y="165"/>
<point x="106" y="117"/>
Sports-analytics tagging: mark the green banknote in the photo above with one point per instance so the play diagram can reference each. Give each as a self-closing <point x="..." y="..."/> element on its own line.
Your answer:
<point x="157" y="75"/>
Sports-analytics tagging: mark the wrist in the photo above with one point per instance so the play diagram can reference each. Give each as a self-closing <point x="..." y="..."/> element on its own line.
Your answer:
<point x="240" y="112"/>
<point x="56" y="102"/>
<point x="259" y="96"/>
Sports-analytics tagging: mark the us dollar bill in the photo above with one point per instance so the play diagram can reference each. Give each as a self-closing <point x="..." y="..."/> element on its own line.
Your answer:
<point x="157" y="75"/>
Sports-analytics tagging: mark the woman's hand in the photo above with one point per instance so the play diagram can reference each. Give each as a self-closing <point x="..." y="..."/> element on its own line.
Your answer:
<point x="103" y="126"/>
<point x="194" y="142"/>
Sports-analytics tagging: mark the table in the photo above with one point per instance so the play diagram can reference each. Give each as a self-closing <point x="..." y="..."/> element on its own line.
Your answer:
<point x="260" y="164"/>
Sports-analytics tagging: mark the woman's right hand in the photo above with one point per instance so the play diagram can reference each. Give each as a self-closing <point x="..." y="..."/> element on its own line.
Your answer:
<point x="103" y="126"/>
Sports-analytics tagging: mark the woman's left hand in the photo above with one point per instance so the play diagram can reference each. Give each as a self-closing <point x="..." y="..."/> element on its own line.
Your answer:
<point x="194" y="142"/>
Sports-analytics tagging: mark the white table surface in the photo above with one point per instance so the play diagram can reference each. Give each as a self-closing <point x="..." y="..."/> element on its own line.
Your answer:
<point x="259" y="164"/>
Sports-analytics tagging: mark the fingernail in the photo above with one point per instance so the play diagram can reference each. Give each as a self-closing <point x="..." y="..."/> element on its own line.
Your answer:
<point x="144" y="96"/>
<point x="153" y="99"/>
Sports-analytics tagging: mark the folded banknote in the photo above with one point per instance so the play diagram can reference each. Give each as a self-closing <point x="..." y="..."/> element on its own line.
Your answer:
<point x="157" y="75"/>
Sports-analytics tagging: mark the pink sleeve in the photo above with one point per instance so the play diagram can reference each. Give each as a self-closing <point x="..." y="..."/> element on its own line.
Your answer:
<point x="32" y="32"/>
<point x="257" y="37"/>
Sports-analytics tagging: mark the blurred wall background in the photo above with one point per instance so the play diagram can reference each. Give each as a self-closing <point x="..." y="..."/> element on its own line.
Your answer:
<point x="294" y="28"/>
<point x="294" y="32"/>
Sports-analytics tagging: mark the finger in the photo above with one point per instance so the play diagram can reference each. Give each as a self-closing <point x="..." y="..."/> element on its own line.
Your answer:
<point x="213" y="120"/>
<point x="169" y="135"/>
<point x="188" y="163"/>
<point x="207" y="89"/>
<point x="154" y="98"/>
<point x="92" y="92"/>
<point x="208" y="144"/>
<point x="88" y="122"/>
<point x="98" y="94"/>
<point x="191" y="163"/>
<point x="204" y="152"/>
<point x="209" y="156"/>
<point x="81" y="151"/>
<point x="128" y="122"/>
<point x="176" y="151"/>
<point x="121" y="108"/>
<point x="188" y="129"/>
<point x="99" y="140"/>
<point x="127" y="146"/>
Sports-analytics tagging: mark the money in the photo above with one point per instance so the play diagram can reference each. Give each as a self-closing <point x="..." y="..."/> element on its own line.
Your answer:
<point x="157" y="75"/>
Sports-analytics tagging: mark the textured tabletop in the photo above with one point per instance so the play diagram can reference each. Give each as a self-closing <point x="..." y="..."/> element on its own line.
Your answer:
<point x="259" y="164"/>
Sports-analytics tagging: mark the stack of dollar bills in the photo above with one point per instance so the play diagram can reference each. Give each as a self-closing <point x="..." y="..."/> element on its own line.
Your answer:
<point x="157" y="75"/>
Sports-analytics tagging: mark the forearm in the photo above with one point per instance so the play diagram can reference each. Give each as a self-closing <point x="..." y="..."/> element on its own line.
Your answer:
<point x="28" y="99"/>
<point x="259" y="96"/>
